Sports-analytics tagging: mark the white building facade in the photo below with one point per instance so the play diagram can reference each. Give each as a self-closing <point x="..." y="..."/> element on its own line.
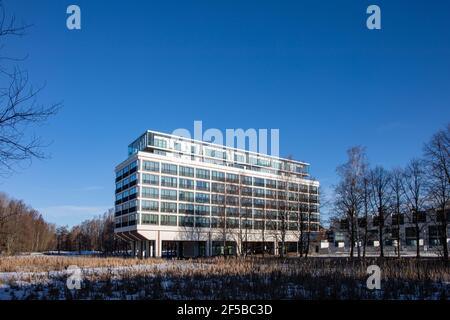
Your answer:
<point x="182" y="197"/>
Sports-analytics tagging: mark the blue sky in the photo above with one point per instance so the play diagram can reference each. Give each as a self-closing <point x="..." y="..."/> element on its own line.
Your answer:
<point x="310" y="68"/>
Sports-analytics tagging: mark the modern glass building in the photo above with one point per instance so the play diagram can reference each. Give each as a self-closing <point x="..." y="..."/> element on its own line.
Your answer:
<point x="182" y="197"/>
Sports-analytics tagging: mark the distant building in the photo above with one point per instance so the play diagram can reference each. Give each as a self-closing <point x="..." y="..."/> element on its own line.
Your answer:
<point x="182" y="197"/>
<point x="402" y="225"/>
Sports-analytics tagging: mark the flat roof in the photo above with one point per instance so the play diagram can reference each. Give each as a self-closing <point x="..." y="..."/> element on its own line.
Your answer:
<point x="223" y="146"/>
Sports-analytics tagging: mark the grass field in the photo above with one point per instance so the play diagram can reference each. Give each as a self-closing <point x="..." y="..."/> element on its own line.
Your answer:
<point x="45" y="277"/>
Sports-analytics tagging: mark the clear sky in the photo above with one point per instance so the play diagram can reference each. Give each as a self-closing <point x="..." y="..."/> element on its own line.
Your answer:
<point x="310" y="68"/>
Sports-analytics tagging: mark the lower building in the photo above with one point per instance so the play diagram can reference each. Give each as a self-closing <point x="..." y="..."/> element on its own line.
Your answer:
<point x="402" y="231"/>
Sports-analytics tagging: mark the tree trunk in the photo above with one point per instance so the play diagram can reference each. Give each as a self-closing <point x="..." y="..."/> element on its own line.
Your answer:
<point x="417" y="239"/>
<point x="381" y="225"/>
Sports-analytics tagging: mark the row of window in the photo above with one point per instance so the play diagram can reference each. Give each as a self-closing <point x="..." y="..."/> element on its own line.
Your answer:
<point x="205" y="222"/>
<point x="189" y="184"/>
<point x="126" y="195"/>
<point x="219" y="199"/>
<point x="127" y="207"/>
<point x="164" y="143"/>
<point x="127" y="170"/>
<point x="200" y="209"/>
<point x="205" y="174"/>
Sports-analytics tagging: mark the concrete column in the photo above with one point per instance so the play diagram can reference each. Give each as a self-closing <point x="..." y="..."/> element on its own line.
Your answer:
<point x="208" y="246"/>
<point x="151" y="248"/>
<point x="133" y="249"/>
<point x="158" y="245"/>
<point x="141" y="250"/>
<point x="275" y="248"/>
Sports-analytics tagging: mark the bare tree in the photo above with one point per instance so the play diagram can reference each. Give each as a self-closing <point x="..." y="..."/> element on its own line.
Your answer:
<point x="19" y="109"/>
<point x="437" y="157"/>
<point x="22" y="229"/>
<point x="398" y="203"/>
<point x="414" y="187"/>
<point x="381" y="193"/>
<point x="349" y="195"/>
<point x="366" y="199"/>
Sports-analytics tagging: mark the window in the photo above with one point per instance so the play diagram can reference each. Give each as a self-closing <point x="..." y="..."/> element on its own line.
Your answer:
<point x="271" y="194"/>
<point x="160" y="143"/>
<point x="293" y="186"/>
<point x="281" y="185"/>
<point x="258" y="192"/>
<point x="271" y="225"/>
<point x="232" y="201"/>
<point x="246" y="202"/>
<point x="247" y="224"/>
<point x="258" y="203"/>
<point x="202" y="210"/>
<point x="151" y="166"/>
<point x="292" y="196"/>
<point x="239" y="158"/>
<point x="202" y="185"/>
<point x="233" y="223"/>
<point x="152" y="193"/>
<point x="398" y="219"/>
<point x="168" y="182"/>
<point x="419" y="217"/>
<point x="133" y="179"/>
<point x="232" y="189"/>
<point x="202" y="174"/>
<point x="186" y="208"/>
<point x="258" y="214"/>
<point x="247" y="191"/>
<point x="168" y="220"/>
<point x="259" y="182"/>
<point x="169" y="168"/>
<point x="410" y="232"/>
<point x="271" y="215"/>
<point x="168" y="207"/>
<point x="186" y="196"/>
<point x="218" y="187"/>
<point x="232" y="212"/>
<point x="282" y="195"/>
<point x="186" y="221"/>
<point x="218" y="176"/>
<point x="271" y="184"/>
<point x="167" y="194"/>
<point x="186" y="171"/>
<point x="217" y="211"/>
<point x="258" y="225"/>
<point x="186" y="183"/>
<point x="246" y="180"/>
<point x="217" y="199"/>
<point x="148" y="205"/>
<point x="202" y="222"/>
<point x="149" y="219"/>
<point x="233" y="178"/>
<point x="150" y="179"/>
<point x="202" y="197"/>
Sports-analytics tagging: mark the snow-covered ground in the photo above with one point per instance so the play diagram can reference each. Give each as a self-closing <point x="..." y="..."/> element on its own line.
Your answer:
<point x="203" y="280"/>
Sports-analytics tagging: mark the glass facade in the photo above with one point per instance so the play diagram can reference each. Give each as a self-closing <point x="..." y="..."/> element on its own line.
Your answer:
<point x="159" y="193"/>
<point x="172" y="146"/>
